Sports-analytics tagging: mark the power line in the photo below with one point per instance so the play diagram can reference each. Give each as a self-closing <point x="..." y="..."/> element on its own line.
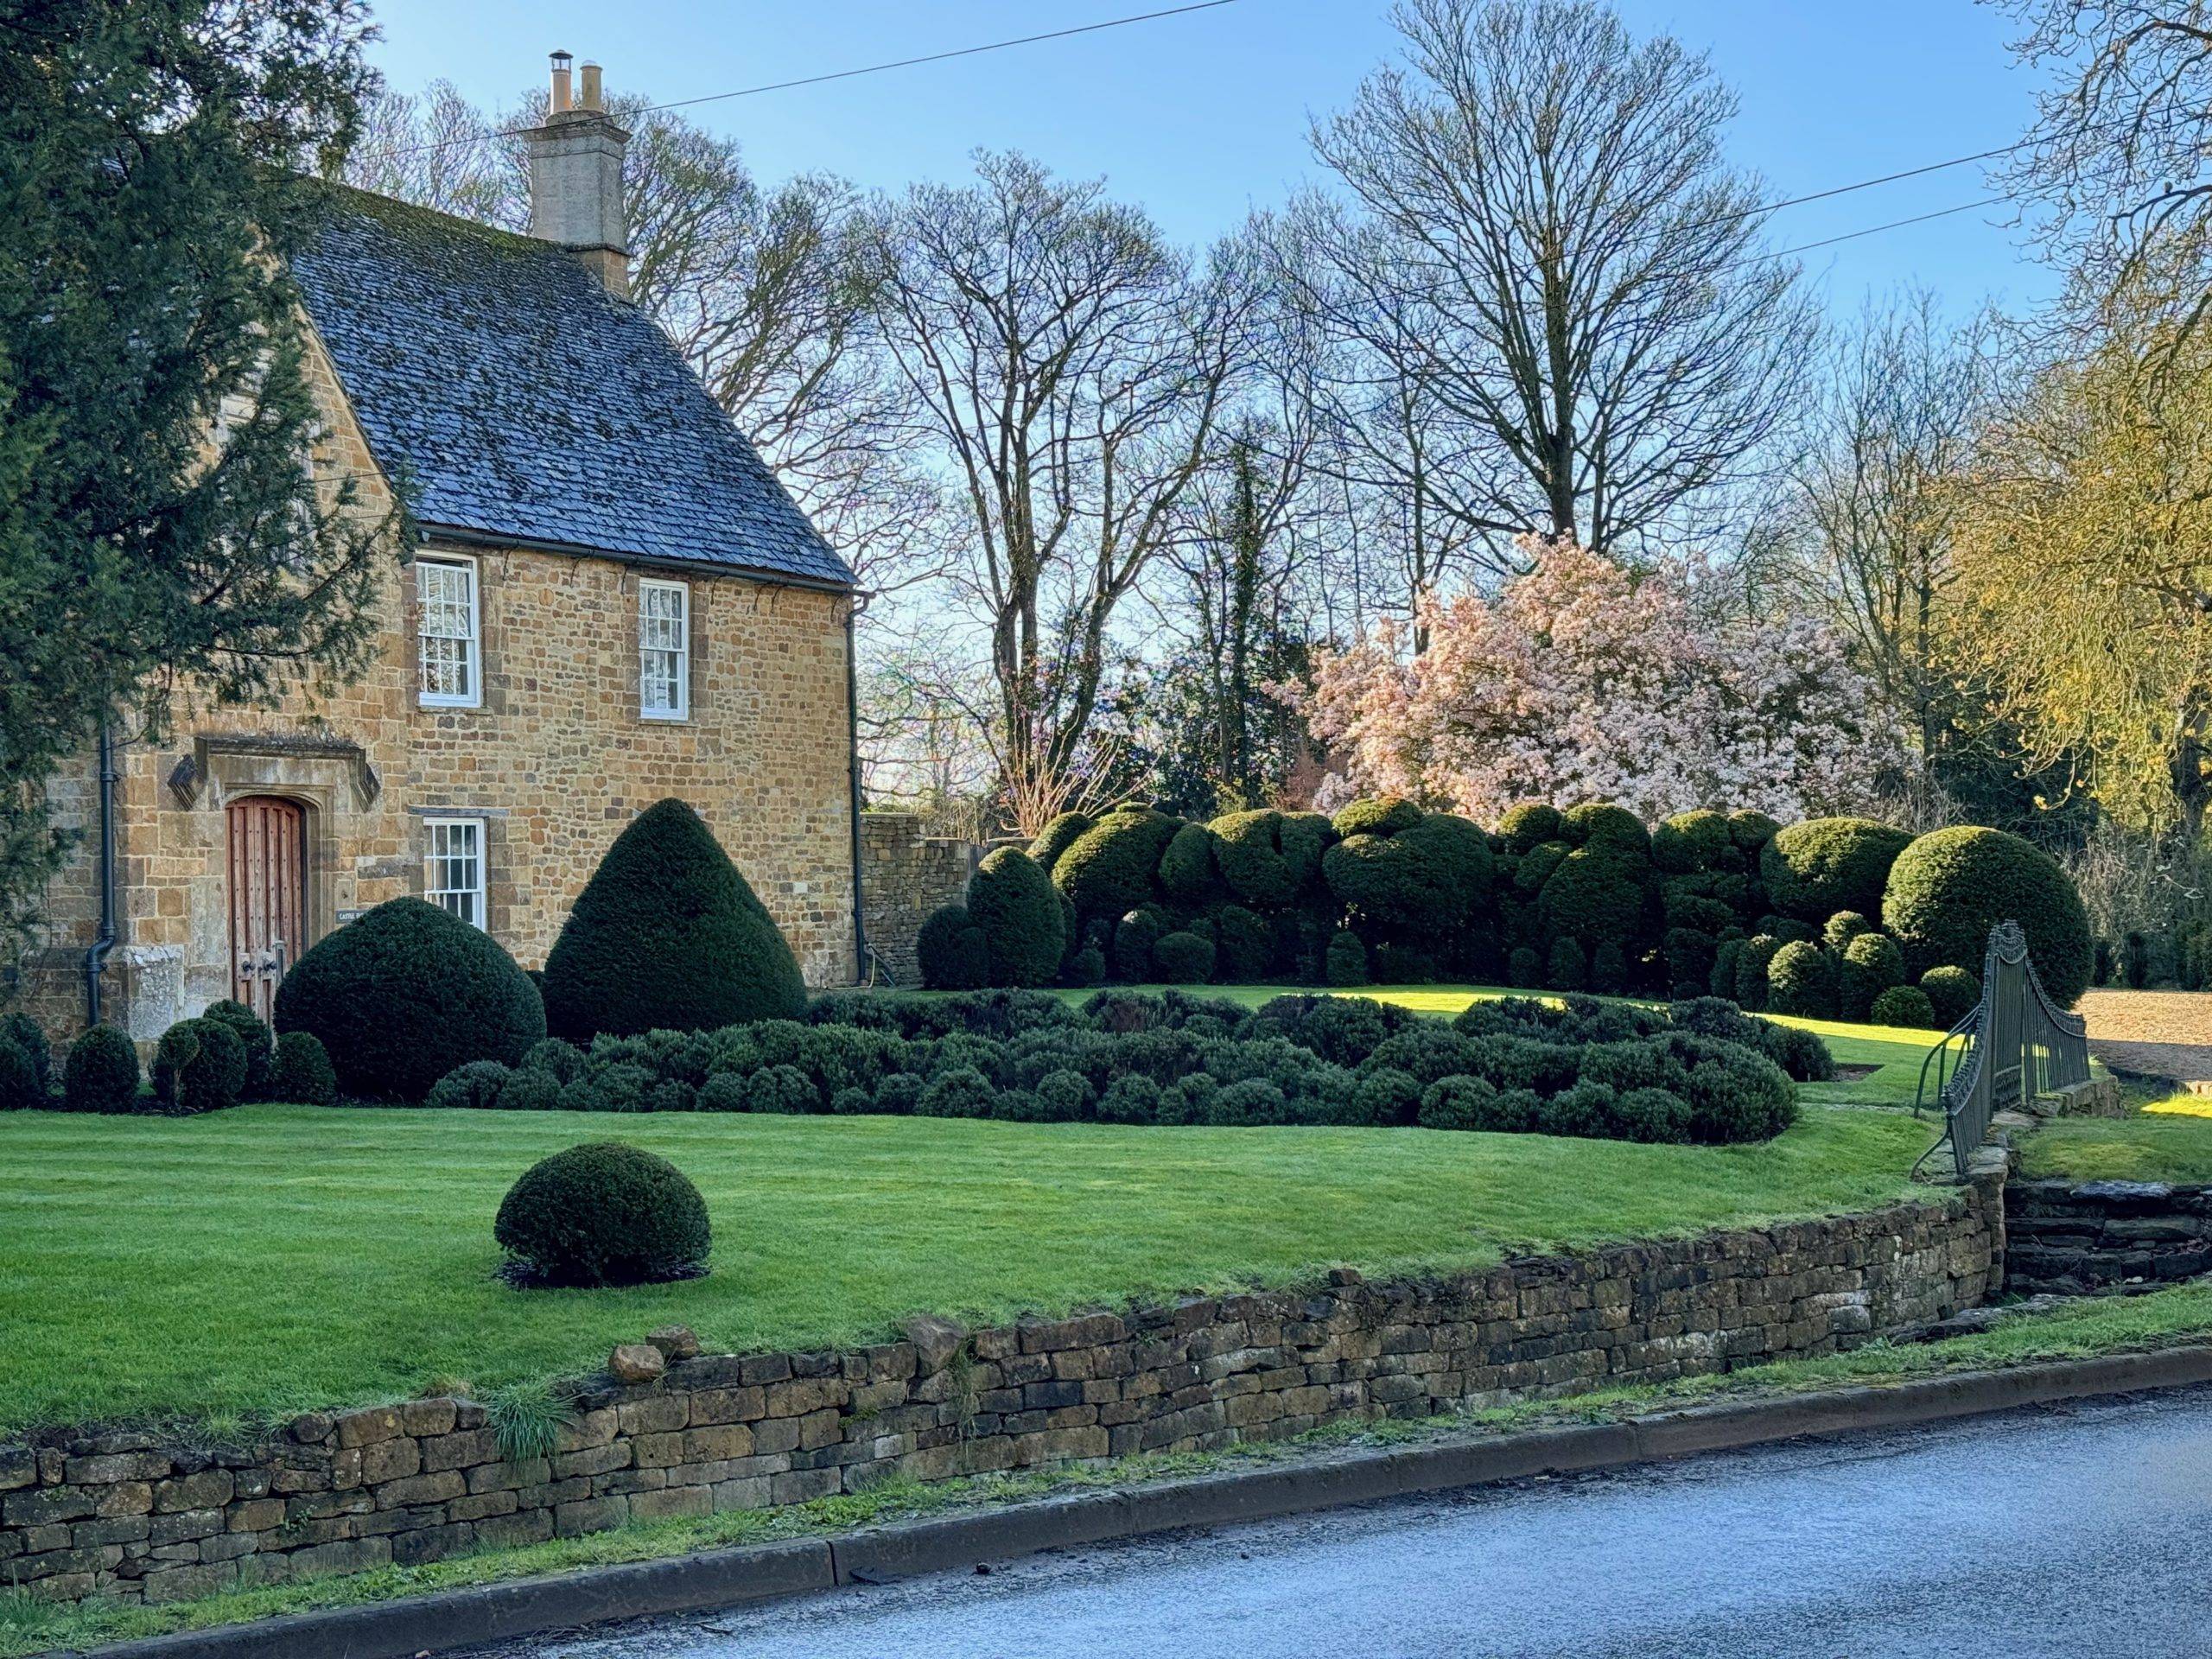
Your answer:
<point x="848" y="74"/>
<point x="1874" y="230"/>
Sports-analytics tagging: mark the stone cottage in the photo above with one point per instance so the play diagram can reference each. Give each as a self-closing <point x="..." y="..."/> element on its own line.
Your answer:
<point x="612" y="601"/>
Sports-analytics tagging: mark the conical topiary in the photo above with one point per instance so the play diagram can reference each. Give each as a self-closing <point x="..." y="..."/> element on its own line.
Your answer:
<point x="667" y="936"/>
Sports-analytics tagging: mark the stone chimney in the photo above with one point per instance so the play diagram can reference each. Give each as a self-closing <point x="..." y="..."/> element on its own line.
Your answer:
<point x="576" y="177"/>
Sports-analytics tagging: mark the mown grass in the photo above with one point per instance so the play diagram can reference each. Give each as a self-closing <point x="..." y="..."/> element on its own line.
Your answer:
<point x="1895" y="1051"/>
<point x="2158" y="1144"/>
<point x="270" y="1258"/>
<point x="2097" y="1326"/>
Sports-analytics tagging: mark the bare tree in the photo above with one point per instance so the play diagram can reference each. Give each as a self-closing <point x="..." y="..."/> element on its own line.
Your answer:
<point x="1906" y="402"/>
<point x="2120" y="155"/>
<point x="1547" y="248"/>
<point x="1074" y="370"/>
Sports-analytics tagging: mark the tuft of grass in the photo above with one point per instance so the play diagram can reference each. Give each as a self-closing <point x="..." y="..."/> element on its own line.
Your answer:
<point x="353" y="1276"/>
<point x="2100" y="1326"/>
<point x="527" y="1419"/>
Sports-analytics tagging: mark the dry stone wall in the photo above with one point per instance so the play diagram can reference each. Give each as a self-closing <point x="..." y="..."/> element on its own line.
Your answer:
<point x="129" y="1516"/>
<point x="905" y="875"/>
<point x="2073" y="1238"/>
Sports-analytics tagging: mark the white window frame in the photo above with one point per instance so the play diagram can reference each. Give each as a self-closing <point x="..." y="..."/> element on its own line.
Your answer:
<point x="435" y="886"/>
<point x="647" y="649"/>
<point x="472" y="640"/>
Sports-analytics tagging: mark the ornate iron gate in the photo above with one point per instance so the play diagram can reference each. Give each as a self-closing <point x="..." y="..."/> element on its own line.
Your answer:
<point x="2015" y="1045"/>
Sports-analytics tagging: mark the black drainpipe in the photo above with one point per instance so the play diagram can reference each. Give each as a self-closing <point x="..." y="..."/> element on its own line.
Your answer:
<point x="853" y="737"/>
<point x="96" y="958"/>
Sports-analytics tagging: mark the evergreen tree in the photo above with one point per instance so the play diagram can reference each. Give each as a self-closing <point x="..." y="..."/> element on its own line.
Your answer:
<point x="158" y="525"/>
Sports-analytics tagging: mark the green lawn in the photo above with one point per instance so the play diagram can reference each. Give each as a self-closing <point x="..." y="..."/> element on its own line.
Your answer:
<point x="1895" y="1051"/>
<point x="2152" y="1145"/>
<point x="269" y="1258"/>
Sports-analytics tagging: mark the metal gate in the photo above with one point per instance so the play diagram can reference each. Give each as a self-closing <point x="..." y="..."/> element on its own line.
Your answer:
<point x="2014" y="1046"/>
<point x="268" y="883"/>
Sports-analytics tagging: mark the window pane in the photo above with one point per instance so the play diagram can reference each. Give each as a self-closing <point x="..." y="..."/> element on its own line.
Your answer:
<point x="664" y="647"/>
<point x="455" y="878"/>
<point x="448" y="596"/>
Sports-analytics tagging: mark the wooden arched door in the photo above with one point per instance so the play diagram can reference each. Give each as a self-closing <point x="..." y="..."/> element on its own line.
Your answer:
<point x="268" y="883"/>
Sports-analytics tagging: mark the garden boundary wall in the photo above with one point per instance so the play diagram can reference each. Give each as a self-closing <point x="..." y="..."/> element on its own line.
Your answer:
<point x="905" y="875"/>
<point x="135" y="1516"/>
<point x="2081" y="1236"/>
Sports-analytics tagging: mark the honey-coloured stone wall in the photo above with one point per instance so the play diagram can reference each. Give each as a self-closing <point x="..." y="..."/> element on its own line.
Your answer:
<point x="134" y="1516"/>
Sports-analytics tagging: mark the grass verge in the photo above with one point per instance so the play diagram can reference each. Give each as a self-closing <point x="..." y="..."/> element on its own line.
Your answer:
<point x="268" y="1259"/>
<point x="2103" y="1325"/>
<point x="2156" y="1144"/>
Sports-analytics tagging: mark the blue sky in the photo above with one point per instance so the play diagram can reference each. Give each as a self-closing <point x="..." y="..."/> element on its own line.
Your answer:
<point x="1200" y="117"/>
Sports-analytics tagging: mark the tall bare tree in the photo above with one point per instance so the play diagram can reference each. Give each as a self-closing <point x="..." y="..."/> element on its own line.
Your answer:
<point x="2120" y="155"/>
<point x="1906" y="400"/>
<point x="1073" y="369"/>
<point x="1547" y="241"/>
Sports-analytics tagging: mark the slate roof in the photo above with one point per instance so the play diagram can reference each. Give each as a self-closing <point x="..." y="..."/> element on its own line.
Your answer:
<point x="527" y="403"/>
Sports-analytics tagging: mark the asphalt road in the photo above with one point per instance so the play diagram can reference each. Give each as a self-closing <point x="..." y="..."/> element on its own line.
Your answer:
<point x="2082" y="1530"/>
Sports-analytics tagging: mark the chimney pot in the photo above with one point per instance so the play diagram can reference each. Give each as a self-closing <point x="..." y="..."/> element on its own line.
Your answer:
<point x="575" y="178"/>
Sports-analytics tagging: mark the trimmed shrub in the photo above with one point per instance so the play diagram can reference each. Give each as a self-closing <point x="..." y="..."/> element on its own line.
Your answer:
<point x="1951" y="993"/>
<point x="1244" y="946"/>
<point x="1013" y="902"/>
<point x="1525" y="969"/>
<point x="1595" y="894"/>
<point x="1871" y="963"/>
<point x="1134" y="937"/>
<point x="899" y="1095"/>
<point x="603" y="1213"/>
<point x="1597" y="823"/>
<point x="1268" y="858"/>
<point x="1903" y="1005"/>
<point x="851" y="1102"/>
<point x="952" y="951"/>
<point x="1812" y="870"/>
<point x="782" y="1091"/>
<point x="475" y="1086"/>
<point x="1569" y="969"/>
<point x="404" y="994"/>
<point x="1183" y="959"/>
<point x="19" y="1028"/>
<point x="260" y="1043"/>
<point x="1186" y="867"/>
<point x="1690" y="842"/>
<point x="1658" y="1115"/>
<point x="1609" y="967"/>
<point x="1381" y="814"/>
<point x="1689" y="953"/>
<point x="1113" y="866"/>
<point x="301" y="1071"/>
<point x="1087" y="967"/>
<point x="102" y="1073"/>
<point x="19" y="1090"/>
<point x="964" y="1091"/>
<point x="1949" y="889"/>
<point x="667" y="936"/>
<point x="1752" y="830"/>
<point x="1431" y="874"/>
<point x="1130" y="1099"/>
<point x="1752" y="957"/>
<point x="1529" y="825"/>
<point x="1387" y="1097"/>
<point x="199" y="1066"/>
<point x="1840" y="929"/>
<point x="1056" y="839"/>
<point x="1346" y="961"/>
<point x="1457" y="1103"/>
<point x="530" y="1091"/>
<point x="1800" y="980"/>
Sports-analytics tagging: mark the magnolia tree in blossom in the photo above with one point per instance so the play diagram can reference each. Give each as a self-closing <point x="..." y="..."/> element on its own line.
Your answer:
<point x="1583" y="681"/>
